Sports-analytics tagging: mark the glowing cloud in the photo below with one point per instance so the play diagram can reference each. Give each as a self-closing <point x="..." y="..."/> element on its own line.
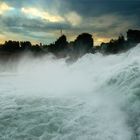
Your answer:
<point x="100" y="39"/>
<point x="34" y="12"/>
<point x="4" y="8"/>
<point x="73" y="18"/>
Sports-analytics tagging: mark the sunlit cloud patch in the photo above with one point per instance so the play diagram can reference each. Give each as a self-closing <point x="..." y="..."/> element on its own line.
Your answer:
<point x="34" y="12"/>
<point x="4" y="7"/>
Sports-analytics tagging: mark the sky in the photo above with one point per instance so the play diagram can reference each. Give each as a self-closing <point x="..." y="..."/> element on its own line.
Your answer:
<point x="41" y="20"/>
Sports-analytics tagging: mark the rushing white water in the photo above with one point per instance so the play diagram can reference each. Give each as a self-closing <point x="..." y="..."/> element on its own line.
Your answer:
<point x="95" y="98"/>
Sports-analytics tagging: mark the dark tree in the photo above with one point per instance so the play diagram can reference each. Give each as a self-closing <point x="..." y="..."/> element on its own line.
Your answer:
<point x="61" y="43"/>
<point x="11" y="46"/>
<point x="83" y="44"/>
<point x="133" y="36"/>
<point x="26" y="45"/>
<point x="59" y="48"/>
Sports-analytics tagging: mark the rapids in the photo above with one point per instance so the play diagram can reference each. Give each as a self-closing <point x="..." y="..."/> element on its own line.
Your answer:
<point x="95" y="98"/>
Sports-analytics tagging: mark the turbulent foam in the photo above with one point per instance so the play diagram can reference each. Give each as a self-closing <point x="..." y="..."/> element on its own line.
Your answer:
<point x="97" y="97"/>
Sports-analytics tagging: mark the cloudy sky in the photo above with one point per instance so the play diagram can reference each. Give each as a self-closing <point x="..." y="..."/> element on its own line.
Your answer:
<point x="41" y="20"/>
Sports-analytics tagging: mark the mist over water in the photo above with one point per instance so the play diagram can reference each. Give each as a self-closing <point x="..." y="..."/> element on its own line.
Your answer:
<point x="95" y="98"/>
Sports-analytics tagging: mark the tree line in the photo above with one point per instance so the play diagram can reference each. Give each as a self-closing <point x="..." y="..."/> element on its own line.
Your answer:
<point x="83" y="44"/>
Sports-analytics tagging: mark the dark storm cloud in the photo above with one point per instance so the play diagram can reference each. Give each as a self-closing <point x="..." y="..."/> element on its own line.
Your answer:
<point x="106" y="17"/>
<point x="84" y="7"/>
<point x="99" y="7"/>
<point x="34" y="28"/>
<point x="103" y="17"/>
<point x="31" y="24"/>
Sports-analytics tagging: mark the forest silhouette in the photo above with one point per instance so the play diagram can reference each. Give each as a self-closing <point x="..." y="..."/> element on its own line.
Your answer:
<point x="83" y="44"/>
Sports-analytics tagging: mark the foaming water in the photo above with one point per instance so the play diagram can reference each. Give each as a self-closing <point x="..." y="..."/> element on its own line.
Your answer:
<point x="97" y="97"/>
